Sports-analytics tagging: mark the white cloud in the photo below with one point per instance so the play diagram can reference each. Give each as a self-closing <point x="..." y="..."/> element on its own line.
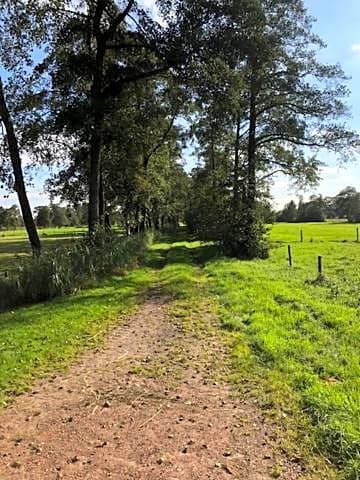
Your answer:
<point x="355" y="47"/>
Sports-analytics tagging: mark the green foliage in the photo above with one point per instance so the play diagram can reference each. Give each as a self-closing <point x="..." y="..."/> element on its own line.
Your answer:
<point x="245" y="237"/>
<point x="289" y="213"/>
<point x="10" y="218"/>
<point x="66" y="269"/>
<point x="43" y="216"/>
<point x="312" y="211"/>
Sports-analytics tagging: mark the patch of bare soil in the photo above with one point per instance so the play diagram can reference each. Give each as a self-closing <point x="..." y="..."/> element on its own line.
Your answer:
<point x="148" y="405"/>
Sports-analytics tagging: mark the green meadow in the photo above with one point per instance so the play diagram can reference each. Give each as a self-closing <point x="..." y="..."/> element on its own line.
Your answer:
<point x="294" y="337"/>
<point x="14" y="243"/>
<point x="300" y="334"/>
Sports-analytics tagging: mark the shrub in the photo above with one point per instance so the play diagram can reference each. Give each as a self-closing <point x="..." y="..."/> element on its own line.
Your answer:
<point x="65" y="270"/>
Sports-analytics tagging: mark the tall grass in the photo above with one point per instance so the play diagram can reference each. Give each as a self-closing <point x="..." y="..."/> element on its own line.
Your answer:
<point x="66" y="269"/>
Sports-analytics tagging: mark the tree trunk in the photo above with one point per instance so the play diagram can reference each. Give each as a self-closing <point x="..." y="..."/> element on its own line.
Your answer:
<point x="250" y="233"/>
<point x="95" y="167"/>
<point x="101" y="200"/>
<point x="98" y="115"/>
<point x="236" y="186"/>
<point x="18" y="175"/>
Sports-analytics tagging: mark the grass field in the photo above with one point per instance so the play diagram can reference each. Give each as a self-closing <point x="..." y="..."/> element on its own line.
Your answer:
<point x="14" y="243"/>
<point x="295" y="338"/>
<point x="300" y="331"/>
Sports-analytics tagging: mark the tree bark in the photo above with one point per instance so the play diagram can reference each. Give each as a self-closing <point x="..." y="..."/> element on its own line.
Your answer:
<point x="101" y="200"/>
<point x="250" y="193"/>
<point x="236" y="186"/>
<point x="251" y="174"/>
<point x="96" y="143"/>
<point x="18" y="174"/>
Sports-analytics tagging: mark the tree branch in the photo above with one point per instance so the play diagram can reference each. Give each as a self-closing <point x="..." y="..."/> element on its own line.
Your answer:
<point x="118" y="20"/>
<point x="161" y="142"/>
<point x="116" y="86"/>
<point x="273" y="173"/>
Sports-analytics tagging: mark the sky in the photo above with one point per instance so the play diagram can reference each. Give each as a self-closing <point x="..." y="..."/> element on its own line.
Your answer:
<point x="338" y="23"/>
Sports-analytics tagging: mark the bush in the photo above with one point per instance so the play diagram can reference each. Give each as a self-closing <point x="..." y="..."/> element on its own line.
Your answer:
<point x="65" y="270"/>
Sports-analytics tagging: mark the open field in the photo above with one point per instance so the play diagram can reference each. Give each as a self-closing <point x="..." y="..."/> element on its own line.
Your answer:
<point x="314" y="232"/>
<point x="302" y="332"/>
<point x="294" y="338"/>
<point x="14" y="243"/>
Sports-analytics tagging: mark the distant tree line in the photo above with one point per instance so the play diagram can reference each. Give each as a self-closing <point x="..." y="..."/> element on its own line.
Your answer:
<point x="45" y="216"/>
<point x="345" y="204"/>
<point x="57" y="216"/>
<point x="10" y="218"/>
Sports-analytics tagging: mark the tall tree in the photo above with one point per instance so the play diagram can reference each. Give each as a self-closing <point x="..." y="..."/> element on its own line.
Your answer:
<point x="288" y="102"/>
<point x="21" y="31"/>
<point x="19" y="183"/>
<point x="97" y="54"/>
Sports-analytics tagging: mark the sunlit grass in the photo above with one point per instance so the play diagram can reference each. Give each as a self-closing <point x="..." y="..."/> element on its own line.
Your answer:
<point x="314" y="232"/>
<point x="303" y="328"/>
<point x="14" y="244"/>
<point x="295" y="338"/>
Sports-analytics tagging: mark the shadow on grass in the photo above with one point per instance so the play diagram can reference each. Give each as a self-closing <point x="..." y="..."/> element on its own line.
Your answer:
<point x="110" y="294"/>
<point x="170" y="262"/>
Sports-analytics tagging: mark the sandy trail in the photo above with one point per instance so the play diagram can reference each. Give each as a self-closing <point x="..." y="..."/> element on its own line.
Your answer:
<point x="150" y="404"/>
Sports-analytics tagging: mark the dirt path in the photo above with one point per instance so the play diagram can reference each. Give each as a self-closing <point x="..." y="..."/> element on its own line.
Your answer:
<point x="148" y="405"/>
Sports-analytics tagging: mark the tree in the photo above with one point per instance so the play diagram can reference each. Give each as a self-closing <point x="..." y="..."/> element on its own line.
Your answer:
<point x="97" y="55"/>
<point x="289" y="213"/>
<point x="314" y="210"/>
<point x="19" y="183"/>
<point x="343" y="201"/>
<point x="353" y="211"/>
<point x="287" y="100"/>
<point x="43" y="216"/>
<point x="10" y="218"/>
<point x="58" y="216"/>
<point x="22" y="30"/>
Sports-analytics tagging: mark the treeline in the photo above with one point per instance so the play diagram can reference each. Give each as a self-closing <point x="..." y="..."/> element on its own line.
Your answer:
<point x="58" y="216"/>
<point x="114" y="95"/>
<point x="344" y="205"/>
<point x="10" y="218"/>
<point x="45" y="216"/>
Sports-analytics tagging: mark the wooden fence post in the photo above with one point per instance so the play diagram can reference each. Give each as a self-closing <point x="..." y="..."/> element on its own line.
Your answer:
<point x="320" y="265"/>
<point x="289" y="255"/>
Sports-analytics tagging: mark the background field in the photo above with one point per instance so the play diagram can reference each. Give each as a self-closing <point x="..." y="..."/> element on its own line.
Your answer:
<point x="14" y="243"/>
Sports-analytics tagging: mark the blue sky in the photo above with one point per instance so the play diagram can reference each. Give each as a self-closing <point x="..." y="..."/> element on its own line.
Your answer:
<point x="338" y="23"/>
